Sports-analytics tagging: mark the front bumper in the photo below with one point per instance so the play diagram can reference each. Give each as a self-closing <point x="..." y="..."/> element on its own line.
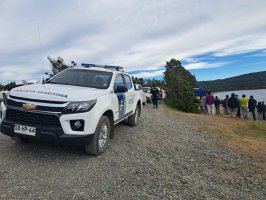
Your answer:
<point x="55" y="135"/>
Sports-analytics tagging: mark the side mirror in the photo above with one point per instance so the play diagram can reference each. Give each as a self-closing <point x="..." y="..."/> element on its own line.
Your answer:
<point x="121" y="89"/>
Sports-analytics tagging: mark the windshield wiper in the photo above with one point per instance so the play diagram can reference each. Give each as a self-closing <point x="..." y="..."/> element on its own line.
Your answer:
<point x="50" y="83"/>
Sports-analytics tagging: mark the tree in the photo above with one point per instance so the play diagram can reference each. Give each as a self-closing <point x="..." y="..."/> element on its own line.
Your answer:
<point x="10" y="86"/>
<point x="58" y="65"/>
<point x="157" y="83"/>
<point x="175" y="66"/>
<point x="141" y="81"/>
<point x="1" y="87"/>
<point x="179" y="83"/>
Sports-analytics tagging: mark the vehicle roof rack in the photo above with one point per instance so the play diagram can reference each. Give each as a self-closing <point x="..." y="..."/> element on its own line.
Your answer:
<point x="117" y="68"/>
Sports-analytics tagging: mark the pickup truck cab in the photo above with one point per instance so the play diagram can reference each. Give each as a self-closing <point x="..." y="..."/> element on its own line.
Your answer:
<point x="79" y="106"/>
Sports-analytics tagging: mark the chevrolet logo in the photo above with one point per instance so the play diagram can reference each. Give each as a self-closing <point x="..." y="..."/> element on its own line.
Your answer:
<point x="28" y="106"/>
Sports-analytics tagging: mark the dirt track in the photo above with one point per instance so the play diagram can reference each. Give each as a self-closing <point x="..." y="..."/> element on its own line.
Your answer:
<point x="161" y="158"/>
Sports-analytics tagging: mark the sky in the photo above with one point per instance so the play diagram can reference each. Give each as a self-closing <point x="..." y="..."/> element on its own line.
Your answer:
<point x="212" y="39"/>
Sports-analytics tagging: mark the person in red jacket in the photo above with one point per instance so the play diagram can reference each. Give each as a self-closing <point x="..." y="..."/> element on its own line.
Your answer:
<point x="210" y="104"/>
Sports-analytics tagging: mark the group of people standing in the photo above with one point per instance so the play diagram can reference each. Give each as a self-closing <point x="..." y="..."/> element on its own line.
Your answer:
<point x="234" y="106"/>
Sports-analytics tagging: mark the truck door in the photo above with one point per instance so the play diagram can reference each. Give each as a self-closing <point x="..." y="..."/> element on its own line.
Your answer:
<point x="130" y="94"/>
<point x="120" y="107"/>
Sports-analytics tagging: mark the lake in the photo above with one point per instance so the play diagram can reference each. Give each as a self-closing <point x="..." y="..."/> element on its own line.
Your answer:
<point x="259" y="95"/>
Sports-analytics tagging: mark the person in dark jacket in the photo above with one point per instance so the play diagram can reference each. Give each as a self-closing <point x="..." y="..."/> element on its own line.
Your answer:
<point x="217" y="103"/>
<point x="252" y="103"/>
<point x="233" y="105"/>
<point x="260" y="111"/>
<point x="225" y="104"/>
<point x="155" y="95"/>
<point x="238" y="114"/>
<point x="263" y="110"/>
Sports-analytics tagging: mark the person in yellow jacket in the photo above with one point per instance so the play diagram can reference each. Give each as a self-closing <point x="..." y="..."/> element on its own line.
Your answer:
<point x="244" y="106"/>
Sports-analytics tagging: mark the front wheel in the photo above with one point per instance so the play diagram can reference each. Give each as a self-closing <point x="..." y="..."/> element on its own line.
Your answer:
<point x="133" y="119"/>
<point x="100" y="139"/>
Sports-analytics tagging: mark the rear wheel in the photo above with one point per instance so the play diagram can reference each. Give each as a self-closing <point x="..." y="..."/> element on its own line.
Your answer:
<point x="133" y="119"/>
<point x="100" y="139"/>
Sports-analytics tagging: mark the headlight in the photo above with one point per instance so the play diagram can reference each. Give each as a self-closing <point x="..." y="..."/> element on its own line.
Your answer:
<point x="5" y="98"/>
<point x="80" y="106"/>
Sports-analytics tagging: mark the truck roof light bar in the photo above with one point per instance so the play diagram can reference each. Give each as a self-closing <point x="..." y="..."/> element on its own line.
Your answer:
<point x="117" y="68"/>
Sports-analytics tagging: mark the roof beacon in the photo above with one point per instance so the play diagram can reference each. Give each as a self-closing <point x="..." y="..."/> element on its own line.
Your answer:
<point x="117" y="68"/>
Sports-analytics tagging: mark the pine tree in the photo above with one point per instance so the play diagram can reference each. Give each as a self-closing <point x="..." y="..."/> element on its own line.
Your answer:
<point x="179" y="83"/>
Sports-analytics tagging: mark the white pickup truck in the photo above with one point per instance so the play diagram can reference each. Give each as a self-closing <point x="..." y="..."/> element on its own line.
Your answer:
<point x="79" y="106"/>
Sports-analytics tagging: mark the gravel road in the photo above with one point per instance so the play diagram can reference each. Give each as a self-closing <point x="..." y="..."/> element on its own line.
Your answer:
<point x="161" y="158"/>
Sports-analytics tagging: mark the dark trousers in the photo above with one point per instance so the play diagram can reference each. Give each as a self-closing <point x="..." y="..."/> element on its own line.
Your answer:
<point x="264" y="115"/>
<point x="155" y="102"/>
<point x="253" y="114"/>
<point x="238" y="112"/>
<point x="217" y="108"/>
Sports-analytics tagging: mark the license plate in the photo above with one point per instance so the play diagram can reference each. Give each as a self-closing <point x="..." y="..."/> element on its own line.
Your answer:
<point x="26" y="130"/>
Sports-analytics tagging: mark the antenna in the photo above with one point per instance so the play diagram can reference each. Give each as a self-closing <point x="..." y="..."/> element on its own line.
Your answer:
<point x="40" y="45"/>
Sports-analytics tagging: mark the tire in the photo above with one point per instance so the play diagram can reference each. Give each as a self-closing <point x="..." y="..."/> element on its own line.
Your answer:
<point x="144" y="102"/>
<point x="101" y="137"/>
<point x="133" y="119"/>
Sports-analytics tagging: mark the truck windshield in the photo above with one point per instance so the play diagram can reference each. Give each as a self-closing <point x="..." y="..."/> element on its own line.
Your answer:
<point x="84" y="78"/>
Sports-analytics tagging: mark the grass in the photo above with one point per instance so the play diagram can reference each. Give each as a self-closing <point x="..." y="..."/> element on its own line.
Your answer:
<point x="252" y="129"/>
<point x="247" y="137"/>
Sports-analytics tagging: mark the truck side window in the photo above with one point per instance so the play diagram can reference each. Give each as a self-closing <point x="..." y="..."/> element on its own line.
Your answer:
<point x="128" y="82"/>
<point x="119" y="81"/>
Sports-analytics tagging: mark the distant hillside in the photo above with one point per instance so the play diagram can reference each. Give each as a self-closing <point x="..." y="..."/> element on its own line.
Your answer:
<point x="250" y="81"/>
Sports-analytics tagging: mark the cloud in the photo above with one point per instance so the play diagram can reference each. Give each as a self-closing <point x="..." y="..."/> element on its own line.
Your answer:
<point x="149" y="74"/>
<point x="259" y="54"/>
<point x="13" y="73"/>
<point x="205" y="65"/>
<point x="242" y="45"/>
<point x="136" y="35"/>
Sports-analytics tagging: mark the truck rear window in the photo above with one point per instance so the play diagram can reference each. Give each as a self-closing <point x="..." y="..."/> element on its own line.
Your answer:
<point x="84" y="78"/>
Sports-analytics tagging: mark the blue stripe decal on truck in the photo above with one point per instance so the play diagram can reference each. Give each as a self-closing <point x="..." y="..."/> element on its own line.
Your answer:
<point x="121" y="104"/>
